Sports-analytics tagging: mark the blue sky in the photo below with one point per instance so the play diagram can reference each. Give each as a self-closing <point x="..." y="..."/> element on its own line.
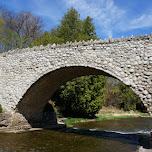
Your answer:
<point x="111" y="17"/>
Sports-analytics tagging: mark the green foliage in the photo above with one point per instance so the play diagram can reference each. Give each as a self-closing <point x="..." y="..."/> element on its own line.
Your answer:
<point x="8" y="40"/>
<point x="114" y="117"/>
<point x="112" y="92"/>
<point x="81" y="97"/>
<point x="110" y="116"/>
<point x="47" y="38"/>
<point x="89" y="29"/>
<point x="121" y="96"/>
<point x="127" y="99"/>
<point x="71" y="28"/>
<point x="7" y="36"/>
<point x="44" y="39"/>
<point x="1" y="24"/>
<point x="18" y="30"/>
<point x="73" y="120"/>
<point x="1" y="109"/>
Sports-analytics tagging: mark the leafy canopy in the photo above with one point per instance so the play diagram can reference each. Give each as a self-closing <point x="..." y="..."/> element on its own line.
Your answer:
<point x="19" y="30"/>
<point x="71" y="28"/>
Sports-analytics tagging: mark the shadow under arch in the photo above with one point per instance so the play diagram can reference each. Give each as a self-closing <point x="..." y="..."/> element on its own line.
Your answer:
<point x="34" y="100"/>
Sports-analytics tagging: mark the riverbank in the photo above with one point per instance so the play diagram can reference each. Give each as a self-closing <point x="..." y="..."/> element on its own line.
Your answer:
<point x="106" y="114"/>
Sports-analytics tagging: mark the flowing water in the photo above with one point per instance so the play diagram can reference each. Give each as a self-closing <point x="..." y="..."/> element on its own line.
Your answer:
<point x="122" y="135"/>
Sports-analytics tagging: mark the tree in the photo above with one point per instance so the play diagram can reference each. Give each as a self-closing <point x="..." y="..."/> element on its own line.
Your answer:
<point x="119" y="95"/>
<point x="24" y="26"/>
<point x="1" y="24"/>
<point x="8" y="40"/>
<point x="127" y="99"/>
<point x="1" y="27"/>
<point x="81" y="97"/>
<point x="112" y="92"/>
<point x="44" y="39"/>
<point x="73" y="29"/>
<point x="47" y="38"/>
<point x="7" y="36"/>
<point x="70" y="26"/>
<point x="89" y="29"/>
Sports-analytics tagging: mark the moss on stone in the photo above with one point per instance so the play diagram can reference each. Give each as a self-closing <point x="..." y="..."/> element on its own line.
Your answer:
<point x="1" y="109"/>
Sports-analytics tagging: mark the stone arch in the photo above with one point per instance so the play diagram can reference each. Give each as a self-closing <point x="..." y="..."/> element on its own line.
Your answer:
<point x="34" y="100"/>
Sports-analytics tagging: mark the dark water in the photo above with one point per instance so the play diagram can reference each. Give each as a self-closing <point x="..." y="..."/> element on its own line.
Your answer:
<point x="123" y="135"/>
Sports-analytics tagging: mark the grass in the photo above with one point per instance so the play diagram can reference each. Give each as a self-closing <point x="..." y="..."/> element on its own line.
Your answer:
<point x="144" y="114"/>
<point x="101" y="117"/>
<point x="114" y="117"/>
<point x="73" y="120"/>
<point x="107" y="114"/>
<point x="69" y="121"/>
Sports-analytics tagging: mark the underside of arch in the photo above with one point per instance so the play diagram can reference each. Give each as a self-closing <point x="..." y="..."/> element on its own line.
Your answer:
<point x="32" y="103"/>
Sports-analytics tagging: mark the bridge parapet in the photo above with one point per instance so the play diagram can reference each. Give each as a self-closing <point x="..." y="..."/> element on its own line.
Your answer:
<point x="82" y="43"/>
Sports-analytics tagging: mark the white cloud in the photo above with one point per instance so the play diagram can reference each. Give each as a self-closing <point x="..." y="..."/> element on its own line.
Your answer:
<point x="141" y="22"/>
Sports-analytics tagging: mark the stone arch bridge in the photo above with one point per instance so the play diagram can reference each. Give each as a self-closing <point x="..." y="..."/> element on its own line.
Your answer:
<point x="29" y="76"/>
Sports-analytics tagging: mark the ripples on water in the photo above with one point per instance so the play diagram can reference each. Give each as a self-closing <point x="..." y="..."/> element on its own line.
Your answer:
<point x="123" y="135"/>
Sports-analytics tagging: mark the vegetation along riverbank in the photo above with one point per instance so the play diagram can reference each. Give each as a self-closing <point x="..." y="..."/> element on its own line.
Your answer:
<point x="106" y="113"/>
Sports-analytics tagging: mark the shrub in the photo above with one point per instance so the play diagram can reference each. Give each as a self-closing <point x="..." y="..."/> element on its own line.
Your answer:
<point x="82" y="97"/>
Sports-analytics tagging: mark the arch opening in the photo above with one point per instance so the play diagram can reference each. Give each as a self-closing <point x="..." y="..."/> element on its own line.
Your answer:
<point x="32" y="105"/>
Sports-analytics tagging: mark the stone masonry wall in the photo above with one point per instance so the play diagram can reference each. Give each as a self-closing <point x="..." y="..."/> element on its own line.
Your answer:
<point x="127" y="59"/>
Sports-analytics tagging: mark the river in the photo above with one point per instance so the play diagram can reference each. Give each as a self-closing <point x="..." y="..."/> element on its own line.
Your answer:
<point x="122" y="135"/>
